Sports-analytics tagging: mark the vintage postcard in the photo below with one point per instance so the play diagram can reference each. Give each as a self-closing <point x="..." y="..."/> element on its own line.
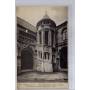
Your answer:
<point x="42" y="47"/>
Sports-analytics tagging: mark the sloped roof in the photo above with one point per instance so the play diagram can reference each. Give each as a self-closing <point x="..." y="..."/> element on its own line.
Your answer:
<point x="61" y="25"/>
<point x="25" y="24"/>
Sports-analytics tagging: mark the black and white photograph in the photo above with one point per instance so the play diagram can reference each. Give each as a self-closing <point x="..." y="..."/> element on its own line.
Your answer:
<point x="42" y="44"/>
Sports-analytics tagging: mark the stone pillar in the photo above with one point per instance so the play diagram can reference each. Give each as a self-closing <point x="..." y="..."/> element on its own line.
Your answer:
<point x="43" y="37"/>
<point x="37" y="37"/>
<point x="54" y="40"/>
<point x="42" y="50"/>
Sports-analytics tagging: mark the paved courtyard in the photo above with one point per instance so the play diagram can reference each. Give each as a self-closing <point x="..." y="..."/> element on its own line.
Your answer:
<point x="39" y="77"/>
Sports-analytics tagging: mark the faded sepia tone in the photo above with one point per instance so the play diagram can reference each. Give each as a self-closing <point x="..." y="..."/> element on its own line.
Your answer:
<point x="42" y="46"/>
<point x="34" y="14"/>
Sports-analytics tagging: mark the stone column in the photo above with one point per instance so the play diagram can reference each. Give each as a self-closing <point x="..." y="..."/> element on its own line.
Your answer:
<point x="42" y="51"/>
<point x="37" y="37"/>
<point x="54" y="40"/>
<point x="43" y="37"/>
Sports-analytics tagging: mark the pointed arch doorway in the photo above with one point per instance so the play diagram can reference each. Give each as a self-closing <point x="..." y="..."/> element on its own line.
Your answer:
<point x="27" y="59"/>
<point x="63" y="58"/>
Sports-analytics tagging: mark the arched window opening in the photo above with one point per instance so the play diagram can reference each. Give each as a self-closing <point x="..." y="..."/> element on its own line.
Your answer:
<point x="64" y="35"/>
<point x="46" y="37"/>
<point x="40" y="37"/>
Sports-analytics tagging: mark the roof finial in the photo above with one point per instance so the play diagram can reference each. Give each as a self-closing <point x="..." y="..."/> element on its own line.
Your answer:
<point x="46" y="16"/>
<point x="45" y="12"/>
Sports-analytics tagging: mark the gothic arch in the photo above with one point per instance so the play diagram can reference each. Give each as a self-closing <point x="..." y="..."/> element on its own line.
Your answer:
<point x="27" y="58"/>
<point x="63" y="58"/>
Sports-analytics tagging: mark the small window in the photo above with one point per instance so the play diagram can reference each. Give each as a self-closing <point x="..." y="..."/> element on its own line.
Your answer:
<point x="35" y="52"/>
<point x="46" y="55"/>
<point x="64" y="35"/>
<point x="40" y="54"/>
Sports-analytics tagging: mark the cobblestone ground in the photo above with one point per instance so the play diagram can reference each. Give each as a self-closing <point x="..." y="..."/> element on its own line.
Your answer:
<point x="37" y="76"/>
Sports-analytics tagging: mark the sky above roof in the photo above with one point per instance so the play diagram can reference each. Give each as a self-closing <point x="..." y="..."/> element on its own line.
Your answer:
<point x="33" y="14"/>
